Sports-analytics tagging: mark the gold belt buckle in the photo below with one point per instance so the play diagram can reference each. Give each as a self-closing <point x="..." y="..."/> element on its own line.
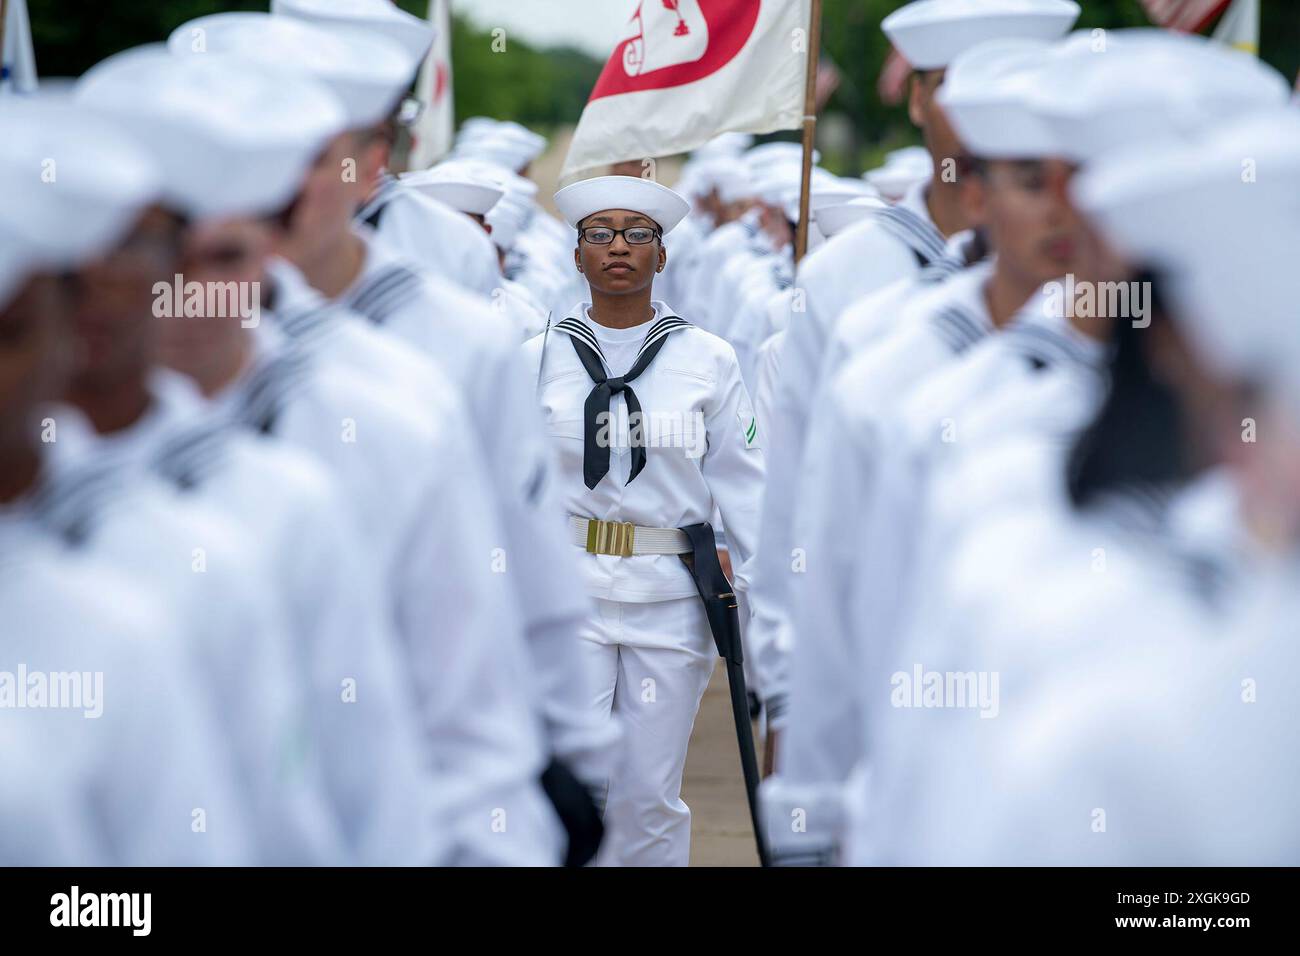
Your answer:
<point x="610" y="537"/>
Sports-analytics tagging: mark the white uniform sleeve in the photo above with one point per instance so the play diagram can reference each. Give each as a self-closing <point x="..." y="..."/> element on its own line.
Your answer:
<point x="477" y="685"/>
<point x="733" y="465"/>
<point x="156" y="772"/>
<point x="847" y="266"/>
<point x="361" y="709"/>
<point x="822" y="741"/>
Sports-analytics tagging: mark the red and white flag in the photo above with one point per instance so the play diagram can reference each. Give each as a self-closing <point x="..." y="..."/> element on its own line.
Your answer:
<point x="687" y="70"/>
<point x="434" y="129"/>
<point x="1189" y="16"/>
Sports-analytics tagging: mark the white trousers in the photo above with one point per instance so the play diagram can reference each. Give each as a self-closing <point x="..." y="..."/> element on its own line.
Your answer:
<point x="652" y="663"/>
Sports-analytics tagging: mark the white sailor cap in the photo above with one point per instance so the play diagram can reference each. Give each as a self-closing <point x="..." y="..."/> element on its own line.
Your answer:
<point x="364" y="71"/>
<point x="508" y="218"/>
<point x="986" y="94"/>
<point x="231" y="138"/>
<point x="483" y="127"/>
<point x="733" y="182"/>
<point x="917" y="157"/>
<point x="72" y="182"/>
<point x="778" y="153"/>
<point x="506" y="144"/>
<point x="903" y="169"/>
<point x="1148" y="85"/>
<point x="930" y="34"/>
<point x="1219" y="220"/>
<point x="411" y="33"/>
<point x="826" y="190"/>
<point x="467" y="186"/>
<point x="476" y="125"/>
<point x="511" y="215"/>
<point x="725" y="145"/>
<point x="834" y="190"/>
<point x="590" y="196"/>
<point x="773" y="183"/>
<point x="835" y="217"/>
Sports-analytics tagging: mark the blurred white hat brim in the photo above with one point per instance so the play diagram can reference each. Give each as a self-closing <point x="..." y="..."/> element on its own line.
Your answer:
<point x="836" y="217"/>
<point x="1223" y="243"/>
<point x="363" y="70"/>
<point x="412" y="34"/>
<point x="986" y="96"/>
<point x="231" y="138"/>
<point x="930" y="34"/>
<point x="105" y="177"/>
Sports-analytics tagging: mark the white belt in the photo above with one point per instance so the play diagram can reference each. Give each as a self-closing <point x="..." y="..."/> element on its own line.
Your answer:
<point x="624" y="539"/>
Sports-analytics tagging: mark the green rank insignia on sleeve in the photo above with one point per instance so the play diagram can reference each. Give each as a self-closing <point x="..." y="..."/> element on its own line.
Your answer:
<point x="748" y="425"/>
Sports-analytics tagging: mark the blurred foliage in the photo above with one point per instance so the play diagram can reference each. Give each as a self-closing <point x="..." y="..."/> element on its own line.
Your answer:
<point x="547" y="88"/>
<point x="506" y="79"/>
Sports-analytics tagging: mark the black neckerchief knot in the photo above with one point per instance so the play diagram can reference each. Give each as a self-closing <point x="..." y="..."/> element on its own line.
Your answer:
<point x="595" y="453"/>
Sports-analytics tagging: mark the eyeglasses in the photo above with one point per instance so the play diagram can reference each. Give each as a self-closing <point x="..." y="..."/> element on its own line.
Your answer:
<point x="633" y="235"/>
<point x="408" y="112"/>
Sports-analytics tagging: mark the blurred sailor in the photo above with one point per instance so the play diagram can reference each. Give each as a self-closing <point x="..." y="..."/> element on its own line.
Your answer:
<point x="895" y="243"/>
<point x="112" y="751"/>
<point x="424" y="231"/>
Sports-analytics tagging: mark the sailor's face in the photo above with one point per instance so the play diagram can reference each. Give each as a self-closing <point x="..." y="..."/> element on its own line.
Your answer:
<point x="34" y="351"/>
<point x="330" y="196"/>
<point x="114" y="318"/>
<point x="711" y="205"/>
<point x="1029" y="219"/>
<point x="227" y="259"/>
<point x="923" y="108"/>
<point x="776" y="226"/>
<point x="619" y="268"/>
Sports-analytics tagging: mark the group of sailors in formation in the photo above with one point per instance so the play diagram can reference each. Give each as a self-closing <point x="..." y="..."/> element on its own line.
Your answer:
<point x="355" y="517"/>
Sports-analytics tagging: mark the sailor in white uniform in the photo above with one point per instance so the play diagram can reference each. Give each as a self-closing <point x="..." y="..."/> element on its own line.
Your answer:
<point x="1038" y="384"/>
<point x="893" y="244"/>
<point x="469" y="342"/>
<point x="857" y="544"/>
<point x="660" y="445"/>
<point x="477" y="189"/>
<point x="112" y="753"/>
<point x="423" y="230"/>
<point x="113" y="387"/>
<point x="413" y="480"/>
<point x="507" y="220"/>
<point x="1135" y="703"/>
<point x="132" y="771"/>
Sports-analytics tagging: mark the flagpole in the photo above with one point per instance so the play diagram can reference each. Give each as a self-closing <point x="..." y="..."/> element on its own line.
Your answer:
<point x="4" y="28"/>
<point x="809" y="126"/>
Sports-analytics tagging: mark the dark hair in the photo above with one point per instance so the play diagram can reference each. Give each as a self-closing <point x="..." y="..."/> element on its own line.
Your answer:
<point x="1138" y="436"/>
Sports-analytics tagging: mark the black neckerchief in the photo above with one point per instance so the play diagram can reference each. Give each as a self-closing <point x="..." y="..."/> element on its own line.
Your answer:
<point x="595" y="457"/>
